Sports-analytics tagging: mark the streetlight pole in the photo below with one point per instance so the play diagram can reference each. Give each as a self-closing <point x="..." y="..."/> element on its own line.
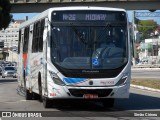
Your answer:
<point x="7" y="46"/>
<point x="11" y="46"/>
<point x="133" y="39"/>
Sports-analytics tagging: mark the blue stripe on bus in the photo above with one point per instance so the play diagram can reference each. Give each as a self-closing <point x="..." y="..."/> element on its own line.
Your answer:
<point x="74" y="80"/>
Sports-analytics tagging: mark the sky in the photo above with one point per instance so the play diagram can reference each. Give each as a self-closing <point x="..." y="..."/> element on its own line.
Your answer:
<point x="157" y="19"/>
<point x="22" y="16"/>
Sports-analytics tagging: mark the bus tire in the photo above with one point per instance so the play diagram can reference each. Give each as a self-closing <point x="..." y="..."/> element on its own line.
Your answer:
<point x="24" y="81"/>
<point x="108" y="103"/>
<point x="40" y="87"/>
<point x="47" y="102"/>
<point x="28" y="95"/>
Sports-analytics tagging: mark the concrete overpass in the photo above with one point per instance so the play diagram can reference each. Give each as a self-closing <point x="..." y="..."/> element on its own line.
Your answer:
<point x="29" y="6"/>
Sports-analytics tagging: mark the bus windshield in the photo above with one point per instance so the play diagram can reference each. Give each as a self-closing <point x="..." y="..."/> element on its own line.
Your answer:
<point x="89" y="47"/>
<point x="89" y="40"/>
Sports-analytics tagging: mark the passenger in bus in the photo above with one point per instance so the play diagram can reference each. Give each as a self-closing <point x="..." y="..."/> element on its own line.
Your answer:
<point x="109" y="42"/>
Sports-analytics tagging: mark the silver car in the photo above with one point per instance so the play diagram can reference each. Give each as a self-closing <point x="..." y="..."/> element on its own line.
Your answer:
<point x="8" y="71"/>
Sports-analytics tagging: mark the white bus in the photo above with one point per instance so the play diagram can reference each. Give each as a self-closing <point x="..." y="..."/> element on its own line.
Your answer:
<point x="75" y="53"/>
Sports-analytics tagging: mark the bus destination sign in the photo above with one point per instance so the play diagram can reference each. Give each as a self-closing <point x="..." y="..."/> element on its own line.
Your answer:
<point x="86" y="17"/>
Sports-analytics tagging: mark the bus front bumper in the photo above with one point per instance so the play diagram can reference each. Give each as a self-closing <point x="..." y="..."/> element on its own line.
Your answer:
<point x="70" y="92"/>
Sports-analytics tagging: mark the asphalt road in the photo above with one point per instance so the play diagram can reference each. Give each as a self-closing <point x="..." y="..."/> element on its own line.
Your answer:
<point x="139" y="102"/>
<point x="144" y="73"/>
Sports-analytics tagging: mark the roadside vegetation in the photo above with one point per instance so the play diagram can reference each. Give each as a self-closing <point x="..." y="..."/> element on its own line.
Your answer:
<point x="147" y="83"/>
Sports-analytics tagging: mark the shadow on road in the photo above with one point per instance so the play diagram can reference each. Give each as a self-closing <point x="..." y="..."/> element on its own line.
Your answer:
<point x="135" y="102"/>
<point x="76" y="108"/>
<point x="6" y="80"/>
<point x="122" y="108"/>
<point x="138" y="102"/>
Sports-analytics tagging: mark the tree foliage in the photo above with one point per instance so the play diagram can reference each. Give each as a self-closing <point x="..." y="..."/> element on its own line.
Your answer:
<point x="146" y="27"/>
<point x="136" y="20"/>
<point x="5" y="16"/>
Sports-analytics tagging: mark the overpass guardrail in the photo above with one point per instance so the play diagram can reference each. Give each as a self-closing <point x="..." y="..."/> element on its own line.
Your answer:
<point x="54" y="1"/>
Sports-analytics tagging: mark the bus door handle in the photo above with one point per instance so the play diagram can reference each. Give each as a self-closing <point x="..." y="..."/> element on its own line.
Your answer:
<point x="42" y="61"/>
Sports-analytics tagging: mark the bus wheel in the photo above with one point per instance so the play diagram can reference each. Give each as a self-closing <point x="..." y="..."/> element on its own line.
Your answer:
<point x="108" y="103"/>
<point x="47" y="102"/>
<point x="40" y="87"/>
<point x="28" y="95"/>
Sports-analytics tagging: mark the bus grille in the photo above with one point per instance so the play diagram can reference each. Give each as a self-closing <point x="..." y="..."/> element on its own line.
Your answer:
<point x="99" y="92"/>
<point x="10" y="73"/>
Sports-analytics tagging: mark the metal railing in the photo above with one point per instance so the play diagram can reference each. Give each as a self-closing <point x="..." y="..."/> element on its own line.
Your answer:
<point x="57" y="1"/>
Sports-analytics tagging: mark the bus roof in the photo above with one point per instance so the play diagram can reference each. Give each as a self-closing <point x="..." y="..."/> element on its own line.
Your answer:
<point x="46" y="12"/>
<point x="87" y="8"/>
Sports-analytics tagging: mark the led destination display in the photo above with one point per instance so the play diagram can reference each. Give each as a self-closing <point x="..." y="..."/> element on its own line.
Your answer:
<point x="87" y="16"/>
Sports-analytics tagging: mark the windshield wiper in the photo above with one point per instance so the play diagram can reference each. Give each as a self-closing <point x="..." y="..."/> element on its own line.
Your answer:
<point x="78" y="35"/>
<point x="107" y="26"/>
<point x="104" y="30"/>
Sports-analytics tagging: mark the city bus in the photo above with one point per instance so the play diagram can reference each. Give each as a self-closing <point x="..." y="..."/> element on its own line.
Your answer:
<point x="74" y="53"/>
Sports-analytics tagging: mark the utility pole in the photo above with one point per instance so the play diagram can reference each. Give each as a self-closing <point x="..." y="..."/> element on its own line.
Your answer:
<point x="152" y="13"/>
<point x="133" y="40"/>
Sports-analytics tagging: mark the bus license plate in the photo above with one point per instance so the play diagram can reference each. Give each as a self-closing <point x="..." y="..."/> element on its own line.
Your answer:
<point x="90" y="96"/>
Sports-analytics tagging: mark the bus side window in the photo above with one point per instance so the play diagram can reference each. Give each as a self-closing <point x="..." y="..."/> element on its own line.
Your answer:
<point x="26" y="39"/>
<point x="19" y="42"/>
<point x="41" y="35"/>
<point x="37" y="43"/>
<point x="33" y="41"/>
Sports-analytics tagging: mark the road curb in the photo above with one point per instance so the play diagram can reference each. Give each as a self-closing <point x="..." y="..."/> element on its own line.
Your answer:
<point x="145" y="88"/>
<point x="145" y="68"/>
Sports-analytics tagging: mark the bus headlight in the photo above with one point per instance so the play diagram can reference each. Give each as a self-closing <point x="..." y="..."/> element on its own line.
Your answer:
<point x="5" y="73"/>
<point x="56" y="79"/>
<point x="122" y="80"/>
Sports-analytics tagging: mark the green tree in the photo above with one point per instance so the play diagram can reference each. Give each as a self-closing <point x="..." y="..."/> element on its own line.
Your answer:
<point x="146" y="27"/>
<point x="136" y="20"/>
<point x="5" y="16"/>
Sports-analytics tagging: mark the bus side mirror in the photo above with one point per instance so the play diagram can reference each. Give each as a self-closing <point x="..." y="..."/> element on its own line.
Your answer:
<point x="46" y="22"/>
